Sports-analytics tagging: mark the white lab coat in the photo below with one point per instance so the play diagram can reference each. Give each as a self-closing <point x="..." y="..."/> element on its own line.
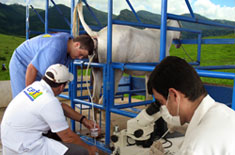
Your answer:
<point x="32" y="112"/>
<point x="211" y="130"/>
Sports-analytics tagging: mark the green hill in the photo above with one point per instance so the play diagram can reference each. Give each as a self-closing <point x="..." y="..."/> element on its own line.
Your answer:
<point x="12" y="20"/>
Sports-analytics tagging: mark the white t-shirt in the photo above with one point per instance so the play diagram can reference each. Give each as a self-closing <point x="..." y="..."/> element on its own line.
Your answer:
<point x="211" y="130"/>
<point x="32" y="112"/>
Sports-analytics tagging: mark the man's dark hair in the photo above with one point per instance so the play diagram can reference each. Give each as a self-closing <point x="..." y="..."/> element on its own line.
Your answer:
<point x="86" y="43"/>
<point x="174" y="72"/>
<point x="52" y="84"/>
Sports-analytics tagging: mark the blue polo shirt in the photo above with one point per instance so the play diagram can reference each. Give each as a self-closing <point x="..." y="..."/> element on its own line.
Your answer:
<point x="41" y="51"/>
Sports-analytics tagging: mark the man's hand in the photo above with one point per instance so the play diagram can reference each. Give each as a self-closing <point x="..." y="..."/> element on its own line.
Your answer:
<point x="89" y="124"/>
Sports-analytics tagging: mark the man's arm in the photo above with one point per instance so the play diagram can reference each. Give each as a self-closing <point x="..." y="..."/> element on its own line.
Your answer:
<point x="68" y="136"/>
<point x="31" y="74"/>
<point x="71" y="113"/>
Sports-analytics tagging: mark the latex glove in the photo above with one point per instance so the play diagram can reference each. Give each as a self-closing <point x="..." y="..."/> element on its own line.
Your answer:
<point x="181" y="129"/>
<point x="156" y="148"/>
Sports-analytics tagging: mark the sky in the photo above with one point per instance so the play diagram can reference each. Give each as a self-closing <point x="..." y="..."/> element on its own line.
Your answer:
<point x="212" y="9"/>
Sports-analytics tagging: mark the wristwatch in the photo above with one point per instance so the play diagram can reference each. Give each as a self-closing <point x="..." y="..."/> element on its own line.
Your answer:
<point x="82" y="118"/>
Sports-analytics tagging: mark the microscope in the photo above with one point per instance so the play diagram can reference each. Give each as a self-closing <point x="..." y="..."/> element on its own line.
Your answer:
<point x="140" y="132"/>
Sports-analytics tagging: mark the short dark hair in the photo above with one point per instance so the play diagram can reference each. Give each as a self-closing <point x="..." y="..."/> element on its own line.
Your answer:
<point x="86" y="43"/>
<point x="174" y="72"/>
<point x="52" y="83"/>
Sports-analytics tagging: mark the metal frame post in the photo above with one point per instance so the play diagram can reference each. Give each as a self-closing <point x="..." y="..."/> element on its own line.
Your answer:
<point x="71" y="16"/>
<point x="233" y="96"/>
<point x="109" y="84"/>
<point x="46" y="16"/>
<point x="27" y="21"/>
<point x="163" y="30"/>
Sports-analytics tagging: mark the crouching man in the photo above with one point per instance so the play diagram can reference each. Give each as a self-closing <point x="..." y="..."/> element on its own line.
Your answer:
<point x="35" y="111"/>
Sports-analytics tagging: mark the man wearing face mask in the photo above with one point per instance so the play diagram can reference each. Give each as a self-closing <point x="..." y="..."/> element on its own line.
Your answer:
<point x="211" y="125"/>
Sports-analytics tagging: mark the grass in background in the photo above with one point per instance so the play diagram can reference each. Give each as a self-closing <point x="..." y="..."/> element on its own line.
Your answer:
<point x="211" y="55"/>
<point x="7" y="46"/>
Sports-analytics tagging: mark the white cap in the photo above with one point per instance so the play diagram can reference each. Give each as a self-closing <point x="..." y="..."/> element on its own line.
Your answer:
<point x="60" y="72"/>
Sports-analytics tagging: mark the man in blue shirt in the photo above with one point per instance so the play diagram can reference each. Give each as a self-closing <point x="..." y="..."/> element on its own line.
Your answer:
<point x="31" y="59"/>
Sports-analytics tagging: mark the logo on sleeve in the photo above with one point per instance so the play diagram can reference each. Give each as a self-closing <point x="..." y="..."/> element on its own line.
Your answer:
<point x="46" y="35"/>
<point x="32" y="93"/>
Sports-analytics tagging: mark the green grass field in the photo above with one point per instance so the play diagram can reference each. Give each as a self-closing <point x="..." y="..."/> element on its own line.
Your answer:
<point x="210" y="55"/>
<point x="7" y="46"/>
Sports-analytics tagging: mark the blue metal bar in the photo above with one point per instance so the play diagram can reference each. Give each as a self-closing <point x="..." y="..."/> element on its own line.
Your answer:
<point x="83" y="97"/>
<point x="205" y="22"/>
<point x="131" y="92"/>
<point x="61" y="13"/>
<point x="81" y="90"/>
<point x="213" y="74"/>
<point x="92" y="13"/>
<point x="233" y="96"/>
<point x="132" y="67"/>
<point x="27" y="21"/>
<point x="81" y="84"/>
<point x="46" y="16"/>
<point x="215" y="67"/>
<point x="39" y="16"/>
<point x="205" y="41"/>
<point x="99" y="145"/>
<point x="130" y="88"/>
<point x="190" y="8"/>
<point x="88" y="103"/>
<point x="64" y="96"/>
<point x="133" y="10"/>
<point x="123" y="113"/>
<point x="122" y="106"/>
<point x="109" y="100"/>
<point x="95" y="64"/>
<point x="182" y="29"/>
<point x="163" y="29"/>
<point x="73" y="86"/>
<point x="199" y="48"/>
<point x="73" y="93"/>
<point x="202" y="72"/>
<point x="71" y="16"/>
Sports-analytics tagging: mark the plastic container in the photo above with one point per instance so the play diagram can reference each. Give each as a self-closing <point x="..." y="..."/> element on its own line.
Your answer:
<point x="94" y="132"/>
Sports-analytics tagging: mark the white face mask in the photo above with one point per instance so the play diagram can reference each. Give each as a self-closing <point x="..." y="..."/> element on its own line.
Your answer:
<point x="172" y="120"/>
